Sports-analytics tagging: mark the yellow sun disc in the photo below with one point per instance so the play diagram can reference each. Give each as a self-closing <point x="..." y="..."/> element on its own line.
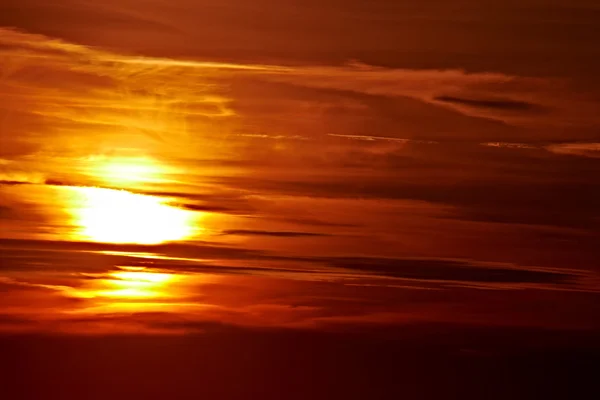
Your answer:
<point x="118" y="216"/>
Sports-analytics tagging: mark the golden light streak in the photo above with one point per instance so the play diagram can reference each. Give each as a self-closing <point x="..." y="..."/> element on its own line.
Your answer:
<point x="137" y="284"/>
<point x="129" y="284"/>
<point x="129" y="289"/>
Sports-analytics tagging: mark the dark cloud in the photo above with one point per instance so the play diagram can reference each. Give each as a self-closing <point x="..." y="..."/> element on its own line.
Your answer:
<point x="206" y="208"/>
<point x="559" y="204"/>
<point x="545" y="38"/>
<point x="453" y="270"/>
<point x="208" y="202"/>
<point x="248" y="232"/>
<point x="44" y="254"/>
<point x="213" y="201"/>
<point x="315" y="222"/>
<point x="55" y="182"/>
<point x="4" y="182"/>
<point x="500" y="104"/>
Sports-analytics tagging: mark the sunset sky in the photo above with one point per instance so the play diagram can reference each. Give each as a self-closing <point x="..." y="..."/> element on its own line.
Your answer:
<point x="180" y="167"/>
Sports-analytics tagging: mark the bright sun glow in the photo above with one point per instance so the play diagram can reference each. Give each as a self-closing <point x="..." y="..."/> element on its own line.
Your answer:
<point x="118" y="216"/>
<point x="127" y="170"/>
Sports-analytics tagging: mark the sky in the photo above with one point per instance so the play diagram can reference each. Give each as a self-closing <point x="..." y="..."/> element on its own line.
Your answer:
<point x="184" y="167"/>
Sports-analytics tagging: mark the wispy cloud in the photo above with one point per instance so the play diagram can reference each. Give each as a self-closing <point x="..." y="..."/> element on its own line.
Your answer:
<point x="66" y="256"/>
<point x="460" y="272"/>
<point x="154" y="86"/>
<point x="576" y="149"/>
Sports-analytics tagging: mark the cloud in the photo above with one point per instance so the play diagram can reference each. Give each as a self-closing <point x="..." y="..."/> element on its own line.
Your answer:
<point x="207" y="208"/>
<point x="500" y="104"/>
<point x="6" y="182"/>
<point x="383" y="138"/>
<point x="248" y="232"/>
<point x="75" y="251"/>
<point x="466" y="194"/>
<point x="65" y="256"/>
<point x="576" y="149"/>
<point x="162" y="106"/>
<point x="509" y="145"/>
<point x="191" y="85"/>
<point x="423" y="85"/>
<point x="215" y="292"/>
<point x="313" y="222"/>
<point x="513" y="100"/>
<point x="454" y="271"/>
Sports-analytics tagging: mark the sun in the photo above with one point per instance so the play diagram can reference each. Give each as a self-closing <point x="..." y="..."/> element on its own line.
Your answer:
<point x="118" y="216"/>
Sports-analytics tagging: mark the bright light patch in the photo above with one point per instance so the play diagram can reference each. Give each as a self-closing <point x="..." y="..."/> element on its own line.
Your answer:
<point x="129" y="283"/>
<point x="136" y="284"/>
<point x="118" y="216"/>
<point x="123" y="171"/>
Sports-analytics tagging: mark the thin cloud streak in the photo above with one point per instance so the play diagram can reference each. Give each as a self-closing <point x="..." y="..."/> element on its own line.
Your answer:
<point x="576" y="149"/>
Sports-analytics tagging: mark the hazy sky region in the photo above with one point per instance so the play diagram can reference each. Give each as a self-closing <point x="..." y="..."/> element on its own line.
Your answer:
<point x="180" y="167"/>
